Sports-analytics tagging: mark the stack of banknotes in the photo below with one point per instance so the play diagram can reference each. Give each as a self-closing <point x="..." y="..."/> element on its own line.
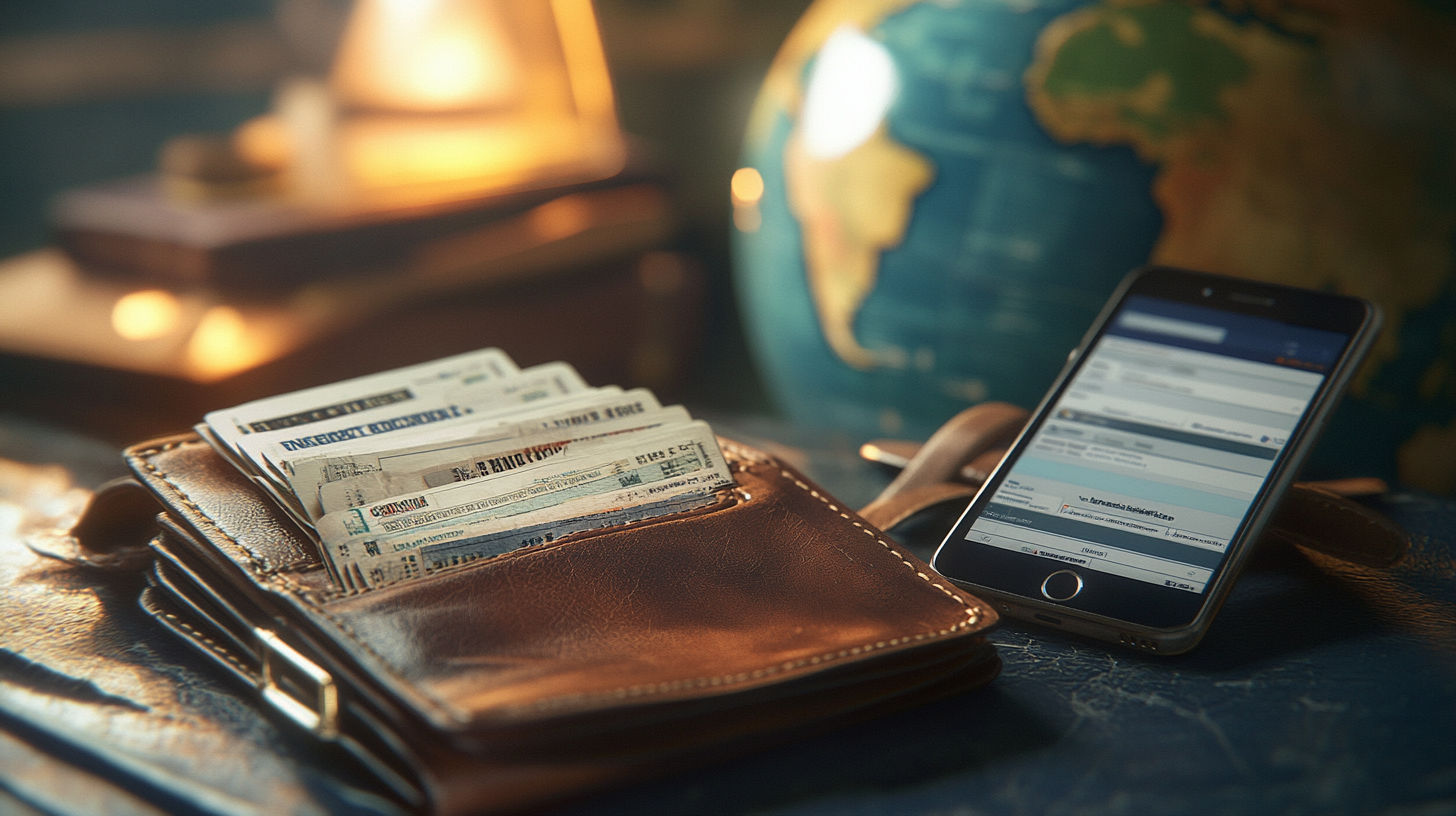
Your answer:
<point x="421" y="468"/>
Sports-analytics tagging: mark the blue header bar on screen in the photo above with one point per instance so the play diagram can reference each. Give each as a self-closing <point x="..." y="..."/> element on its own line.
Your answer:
<point x="1200" y="328"/>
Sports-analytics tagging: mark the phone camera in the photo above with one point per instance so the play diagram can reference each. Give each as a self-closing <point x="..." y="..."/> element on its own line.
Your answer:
<point x="1207" y="291"/>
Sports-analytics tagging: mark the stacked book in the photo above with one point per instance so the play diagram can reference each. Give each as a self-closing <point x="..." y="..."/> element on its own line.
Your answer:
<point x="409" y="471"/>
<point x="157" y="305"/>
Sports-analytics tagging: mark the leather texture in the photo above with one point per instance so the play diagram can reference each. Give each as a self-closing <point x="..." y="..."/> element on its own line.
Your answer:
<point x="959" y="457"/>
<point x="103" y="713"/>
<point x="600" y="657"/>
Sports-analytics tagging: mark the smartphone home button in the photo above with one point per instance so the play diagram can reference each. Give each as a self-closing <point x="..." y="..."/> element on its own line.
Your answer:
<point x="1062" y="585"/>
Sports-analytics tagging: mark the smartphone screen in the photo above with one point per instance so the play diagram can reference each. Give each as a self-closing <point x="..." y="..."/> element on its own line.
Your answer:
<point x="1125" y="497"/>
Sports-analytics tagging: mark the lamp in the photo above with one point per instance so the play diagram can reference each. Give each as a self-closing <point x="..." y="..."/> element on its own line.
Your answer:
<point x="438" y="99"/>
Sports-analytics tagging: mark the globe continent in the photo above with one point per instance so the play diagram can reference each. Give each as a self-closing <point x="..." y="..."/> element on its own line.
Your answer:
<point x="1034" y="152"/>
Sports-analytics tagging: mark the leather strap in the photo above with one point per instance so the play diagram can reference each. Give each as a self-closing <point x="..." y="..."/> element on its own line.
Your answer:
<point x="965" y="439"/>
<point x="887" y="511"/>
<point x="111" y="534"/>
<point x="958" y="458"/>
<point x="1311" y="515"/>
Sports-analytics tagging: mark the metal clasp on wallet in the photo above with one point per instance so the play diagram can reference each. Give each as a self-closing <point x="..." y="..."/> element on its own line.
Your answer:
<point x="298" y="673"/>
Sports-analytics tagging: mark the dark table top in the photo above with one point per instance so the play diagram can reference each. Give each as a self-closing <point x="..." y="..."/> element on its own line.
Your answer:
<point x="1322" y="687"/>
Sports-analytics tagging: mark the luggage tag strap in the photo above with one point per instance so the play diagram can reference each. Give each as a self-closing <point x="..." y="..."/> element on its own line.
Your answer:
<point x="111" y="534"/>
<point x="959" y="457"/>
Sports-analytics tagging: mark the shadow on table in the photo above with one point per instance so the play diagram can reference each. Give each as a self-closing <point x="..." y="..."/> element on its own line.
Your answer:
<point x="1282" y="604"/>
<point x="914" y="747"/>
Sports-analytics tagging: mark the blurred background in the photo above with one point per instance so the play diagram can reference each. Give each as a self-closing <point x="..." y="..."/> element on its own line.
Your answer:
<point x="91" y="92"/>
<point x="858" y="215"/>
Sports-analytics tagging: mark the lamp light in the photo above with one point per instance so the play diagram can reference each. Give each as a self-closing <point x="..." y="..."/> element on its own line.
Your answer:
<point x="438" y="99"/>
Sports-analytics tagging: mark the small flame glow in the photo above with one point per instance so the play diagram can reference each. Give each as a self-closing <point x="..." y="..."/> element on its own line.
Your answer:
<point x="747" y="186"/>
<point x="224" y="344"/>
<point x="146" y="315"/>
<point x="747" y="190"/>
<point x="264" y="141"/>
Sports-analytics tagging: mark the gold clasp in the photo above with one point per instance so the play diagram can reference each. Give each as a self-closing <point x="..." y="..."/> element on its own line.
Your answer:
<point x="322" y="717"/>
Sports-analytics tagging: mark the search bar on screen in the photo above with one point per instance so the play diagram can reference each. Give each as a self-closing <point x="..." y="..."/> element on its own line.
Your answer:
<point x="1187" y="329"/>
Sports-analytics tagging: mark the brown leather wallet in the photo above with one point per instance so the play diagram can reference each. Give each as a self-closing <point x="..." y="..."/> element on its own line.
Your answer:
<point x="604" y="656"/>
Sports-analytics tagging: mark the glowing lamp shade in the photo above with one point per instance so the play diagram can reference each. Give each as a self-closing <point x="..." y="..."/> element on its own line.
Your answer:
<point x="428" y="56"/>
<point x="436" y="98"/>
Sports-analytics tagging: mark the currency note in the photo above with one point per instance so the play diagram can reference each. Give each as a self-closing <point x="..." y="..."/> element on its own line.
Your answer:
<point x="359" y="395"/>
<point x="268" y="450"/>
<point x="425" y="467"/>
<point x="352" y="481"/>
<point x="563" y="413"/>
<point x="654" y="461"/>
<point x="374" y="562"/>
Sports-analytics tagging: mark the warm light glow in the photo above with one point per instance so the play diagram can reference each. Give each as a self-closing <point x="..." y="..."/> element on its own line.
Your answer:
<point x="395" y="151"/>
<point x="747" y="190"/>
<point x="427" y="56"/>
<point x="850" y="90"/>
<point x="446" y="71"/>
<point x="747" y="186"/>
<point x="430" y="100"/>
<point x="145" y="315"/>
<point x="223" y="345"/>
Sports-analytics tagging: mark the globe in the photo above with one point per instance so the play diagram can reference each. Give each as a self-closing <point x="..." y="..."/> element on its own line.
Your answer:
<point x="937" y="197"/>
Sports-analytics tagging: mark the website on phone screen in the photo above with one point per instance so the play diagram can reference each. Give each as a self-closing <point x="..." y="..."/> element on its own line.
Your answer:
<point x="1152" y="457"/>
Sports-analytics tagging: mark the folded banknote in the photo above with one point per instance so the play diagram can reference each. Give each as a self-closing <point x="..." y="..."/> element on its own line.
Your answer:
<point x="407" y="472"/>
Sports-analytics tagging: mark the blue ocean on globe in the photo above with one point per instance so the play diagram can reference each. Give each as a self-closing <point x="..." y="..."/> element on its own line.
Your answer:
<point x="1006" y="261"/>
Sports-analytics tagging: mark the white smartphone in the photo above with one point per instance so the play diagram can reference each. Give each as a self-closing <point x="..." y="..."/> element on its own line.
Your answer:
<point x="1128" y="505"/>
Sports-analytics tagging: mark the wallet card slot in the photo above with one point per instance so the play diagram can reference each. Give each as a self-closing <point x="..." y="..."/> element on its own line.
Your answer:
<point x="727" y="497"/>
<point x="167" y="577"/>
<point x="164" y="607"/>
<point x="737" y="457"/>
<point x="177" y="599"/>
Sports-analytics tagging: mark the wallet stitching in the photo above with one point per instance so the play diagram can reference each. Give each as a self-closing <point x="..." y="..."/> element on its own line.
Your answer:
<point x="260" y="563"/>
<point x="973" y="614"/>
<point x="211" y="645"/>
<point x="972" y="617"/>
